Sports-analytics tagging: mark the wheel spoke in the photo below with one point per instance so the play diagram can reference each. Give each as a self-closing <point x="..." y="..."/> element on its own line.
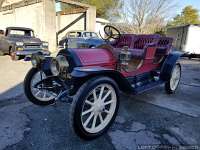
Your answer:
<point x="37" y="93"/>
<point x="89" y="102"/>
<point x="101" y="118"/>
<point x="88" y="119"/>
<point x="101" y="92"/>
<point x="87" y="111"/>
<point x="107" y="111"/>
<point x="108" y="102"/>
<point x="45" y="93"/>
<point x="95" y="95"/>
<point x="94" y="122"/>
<point x="104" y="98"/>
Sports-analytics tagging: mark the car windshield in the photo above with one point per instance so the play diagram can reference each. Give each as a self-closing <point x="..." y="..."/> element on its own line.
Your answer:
<point x="21" y="33"/>
<point x="90" y="35"/>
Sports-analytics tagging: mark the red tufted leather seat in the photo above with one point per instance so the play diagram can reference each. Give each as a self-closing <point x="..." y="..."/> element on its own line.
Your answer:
<point x="137" y="53"/>
<point x="138" y="43"/>
<point x="124" y="40"/>
<point x="164" y="46"/>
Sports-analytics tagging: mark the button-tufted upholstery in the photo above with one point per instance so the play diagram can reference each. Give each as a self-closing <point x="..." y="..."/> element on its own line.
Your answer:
<point x="137" y="44"/>
<point x="164" y="46"/>
<point x="124" y="40"/>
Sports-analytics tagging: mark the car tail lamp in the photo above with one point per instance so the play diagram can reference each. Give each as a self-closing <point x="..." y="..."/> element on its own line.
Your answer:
<point x="124" y="57"/>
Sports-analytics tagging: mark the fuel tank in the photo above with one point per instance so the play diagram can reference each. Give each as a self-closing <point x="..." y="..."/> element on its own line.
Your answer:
<point x="96" y="57"/>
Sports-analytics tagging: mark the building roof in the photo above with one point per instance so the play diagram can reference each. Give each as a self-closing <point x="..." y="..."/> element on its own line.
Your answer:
<point x="73" y="2"/>
<point x="102" y="20"/>
<point x="18" y="28"/>
<point x="183" y="26"/>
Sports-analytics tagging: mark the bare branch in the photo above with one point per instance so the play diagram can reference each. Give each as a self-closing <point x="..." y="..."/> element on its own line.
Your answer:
<point x="147" y="15"/>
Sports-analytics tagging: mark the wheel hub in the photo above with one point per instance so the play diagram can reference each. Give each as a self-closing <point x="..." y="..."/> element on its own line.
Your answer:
<point x="98" y="107"/>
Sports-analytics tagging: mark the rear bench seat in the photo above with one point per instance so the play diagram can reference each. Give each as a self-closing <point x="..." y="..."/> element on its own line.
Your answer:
<point x="137" y="44"/>
<point x="164" y="46"/>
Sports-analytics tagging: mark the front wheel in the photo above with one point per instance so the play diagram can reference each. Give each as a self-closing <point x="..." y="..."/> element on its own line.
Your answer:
<point x="37" y="95"/>
<point x="94" y="107"/>
<point x="172" y="85"/>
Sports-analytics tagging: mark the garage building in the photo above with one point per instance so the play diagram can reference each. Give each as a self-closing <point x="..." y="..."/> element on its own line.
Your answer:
<point x="50" y="19"/>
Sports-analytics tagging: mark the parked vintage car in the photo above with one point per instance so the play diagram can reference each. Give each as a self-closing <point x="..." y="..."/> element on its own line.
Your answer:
<point x="91" y="78"/>
<point x="19" y="42"/>
<point x="81" y="39"/>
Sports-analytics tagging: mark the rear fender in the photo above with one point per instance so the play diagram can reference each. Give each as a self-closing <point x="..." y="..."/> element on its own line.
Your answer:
<point x="169" y="64"/>
<point x="80" y="75"/>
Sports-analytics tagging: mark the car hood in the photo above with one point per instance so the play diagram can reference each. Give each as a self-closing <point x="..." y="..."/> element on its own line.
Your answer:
<point x="95" y="57"/>
<point x="25" y="39"/>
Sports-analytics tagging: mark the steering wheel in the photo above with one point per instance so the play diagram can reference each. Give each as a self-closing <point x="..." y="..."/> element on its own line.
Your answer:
<point x="111" y="33"/>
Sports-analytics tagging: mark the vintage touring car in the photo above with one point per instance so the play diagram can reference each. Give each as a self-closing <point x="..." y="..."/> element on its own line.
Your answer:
<point x="92" y="78"/>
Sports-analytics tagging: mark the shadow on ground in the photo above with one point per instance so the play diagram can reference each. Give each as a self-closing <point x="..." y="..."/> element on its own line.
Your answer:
<point x="12" y="93"/>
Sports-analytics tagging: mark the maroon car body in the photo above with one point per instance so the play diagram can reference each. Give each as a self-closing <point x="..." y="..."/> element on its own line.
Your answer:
<point x="91" y="78"/>
<point x="142" y="47"/>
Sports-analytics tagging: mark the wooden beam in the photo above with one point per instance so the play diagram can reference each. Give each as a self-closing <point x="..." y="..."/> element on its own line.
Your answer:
<point x="72" y="23"/>
<point x="75" y="3"/>
<point x="72" y="11"/>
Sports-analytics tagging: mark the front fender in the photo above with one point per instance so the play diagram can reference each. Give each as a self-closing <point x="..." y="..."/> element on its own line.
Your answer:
<point x="169" y="64"/>
<point x="82" y="74"/>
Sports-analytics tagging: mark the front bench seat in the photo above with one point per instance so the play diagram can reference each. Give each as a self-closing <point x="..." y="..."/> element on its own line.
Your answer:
<point x="140" y="45"/>
<point x="137" y="53"/>
<point x="124" y="40"/>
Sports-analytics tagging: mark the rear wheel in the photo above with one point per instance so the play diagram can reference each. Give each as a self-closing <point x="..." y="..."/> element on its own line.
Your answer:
<point x="37" y="95"/>
<point x="172" y="85"/>
<point x="94" y="107"/>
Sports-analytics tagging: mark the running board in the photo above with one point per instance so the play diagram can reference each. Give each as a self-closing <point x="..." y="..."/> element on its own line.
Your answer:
<point x="148" y="86"/>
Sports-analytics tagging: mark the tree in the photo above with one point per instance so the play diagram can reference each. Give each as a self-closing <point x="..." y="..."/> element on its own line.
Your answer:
<point x="146" y="16"/>
<point x="105" y="8"/>
<point x="189" y="15"/>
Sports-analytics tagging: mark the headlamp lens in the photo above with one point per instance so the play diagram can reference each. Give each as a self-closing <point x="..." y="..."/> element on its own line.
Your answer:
<point x="19" y="43"/>
<point x="55" y="68"/>
<point x="34" y="63"/>
<point x="59" y="65"/>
